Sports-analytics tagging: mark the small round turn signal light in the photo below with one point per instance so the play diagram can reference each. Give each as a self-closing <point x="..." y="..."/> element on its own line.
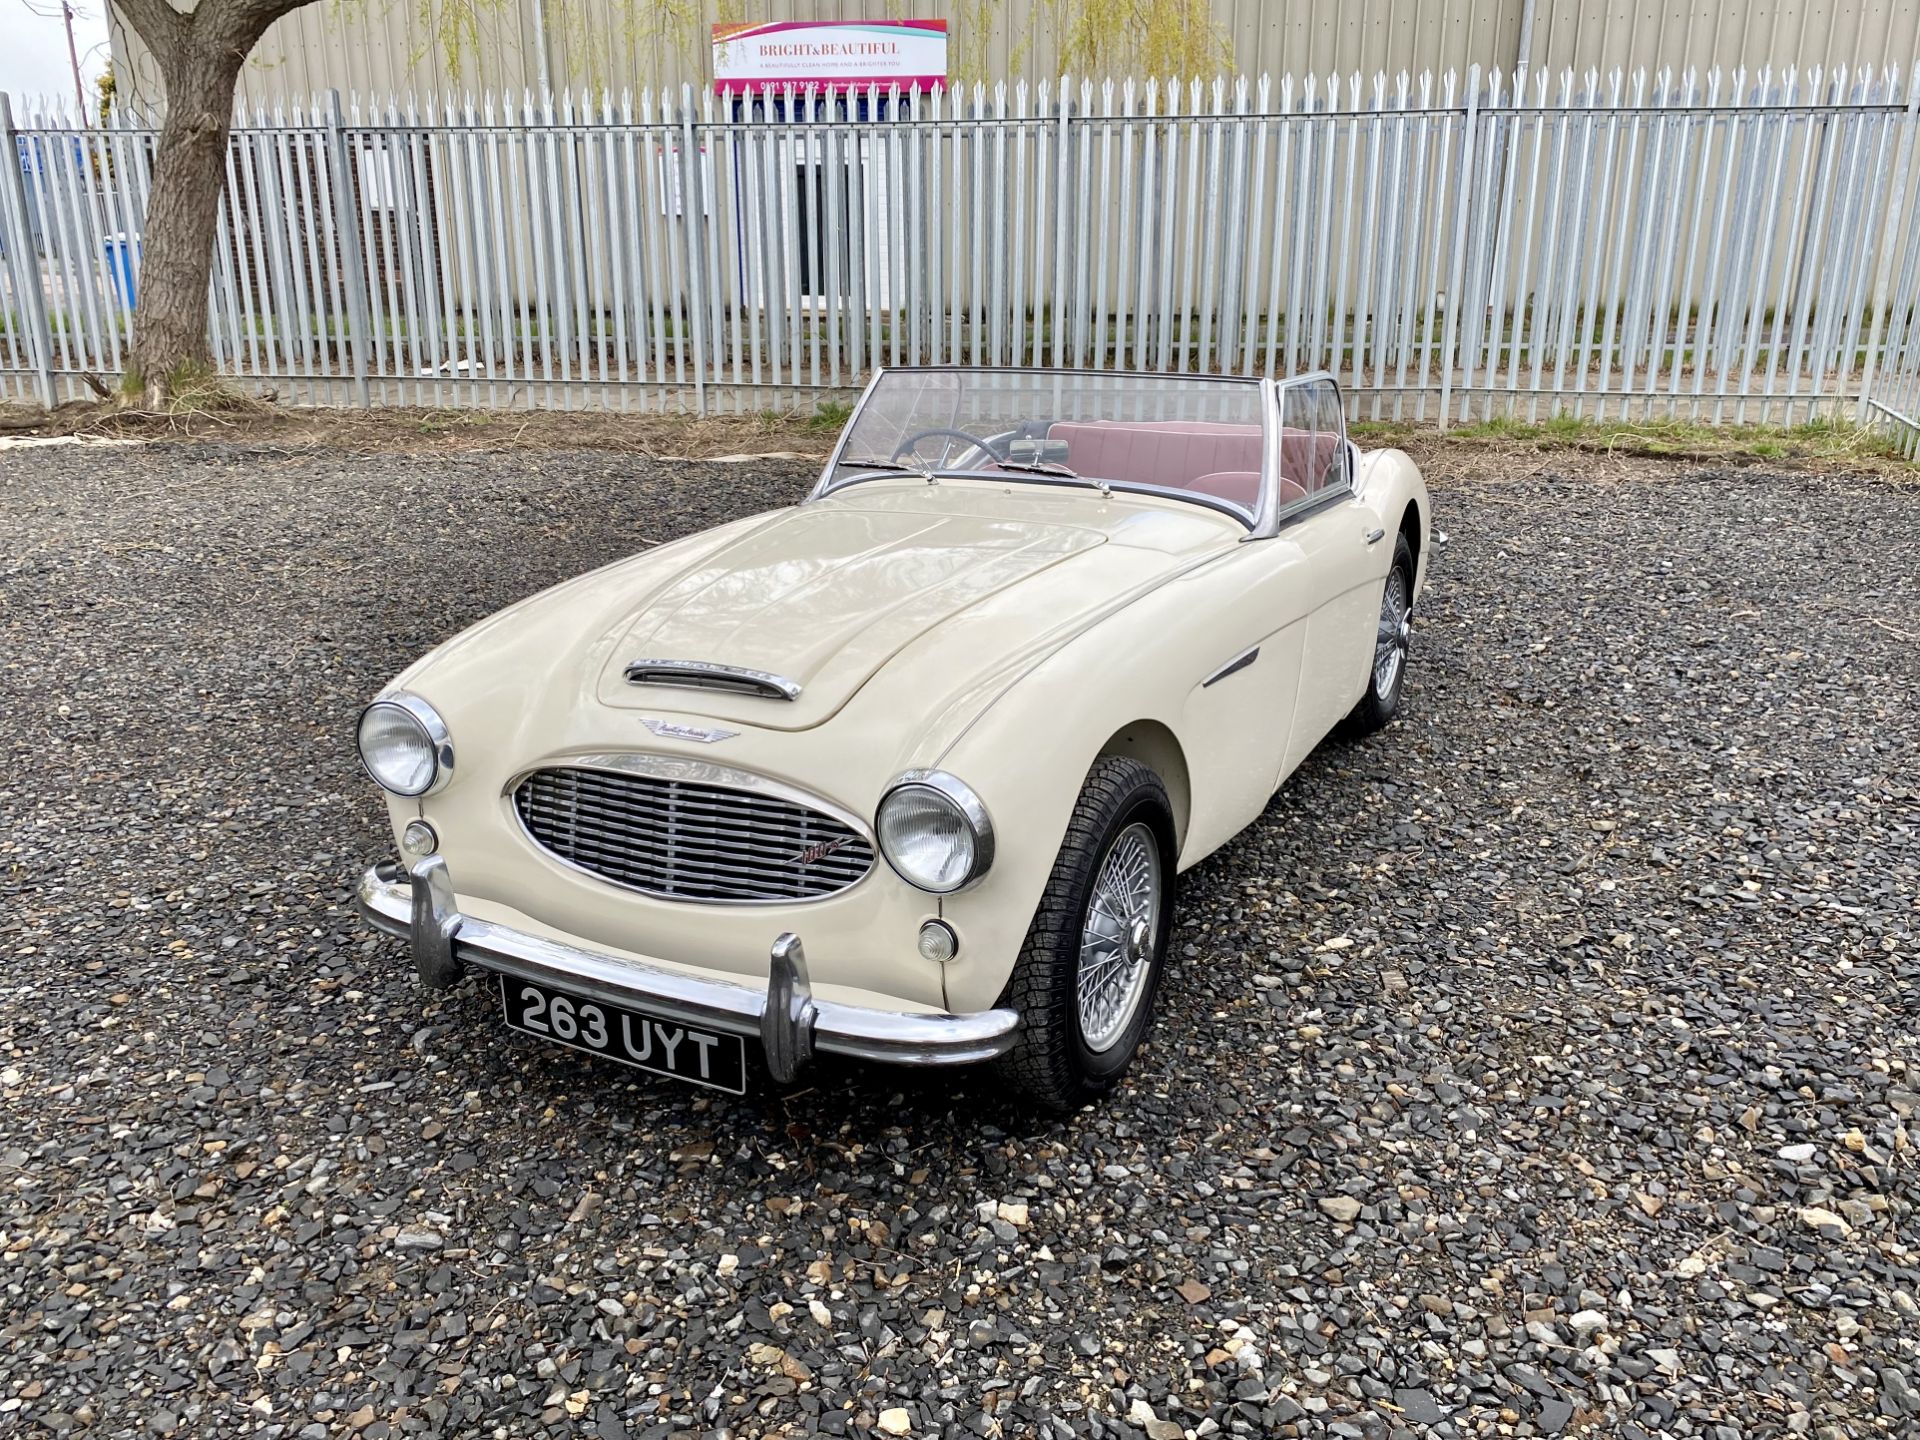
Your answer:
<point x="938" y="943"/>
<point x="419" y="840"/>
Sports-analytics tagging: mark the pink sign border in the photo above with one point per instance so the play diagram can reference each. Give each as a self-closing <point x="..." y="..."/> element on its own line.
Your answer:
<point x="818" y="84"/>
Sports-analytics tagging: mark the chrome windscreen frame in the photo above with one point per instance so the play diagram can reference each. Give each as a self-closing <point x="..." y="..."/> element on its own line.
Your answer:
<point x="1265" y="521"/>
<point x="825" y="485"/>
<point x="1273" y="515"/>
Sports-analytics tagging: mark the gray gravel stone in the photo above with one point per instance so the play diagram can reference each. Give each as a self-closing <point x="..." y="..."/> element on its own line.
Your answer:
<point x="1591" y="974"/>
<point x="1419" y="1406"/>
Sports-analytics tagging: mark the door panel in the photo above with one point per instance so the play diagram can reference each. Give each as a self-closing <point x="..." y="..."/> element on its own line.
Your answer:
<point x="1309" y="599"/>
<point x="1347" y="553"/>
<point x="1339" y="636"/>
<point x="1235" y="719"/>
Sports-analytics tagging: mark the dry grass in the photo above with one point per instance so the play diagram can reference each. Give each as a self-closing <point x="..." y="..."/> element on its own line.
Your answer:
<point x="1816" y="445"/>
<point x="219" y="414"/>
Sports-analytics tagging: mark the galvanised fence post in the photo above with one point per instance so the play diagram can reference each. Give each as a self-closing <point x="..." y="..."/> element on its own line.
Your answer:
<point x="346" y="225"/>
<point x="23" y="260"/>
<point x="693" y="199"/>
<point x="1457" y="272"/>
<point x="1882" y="297"/>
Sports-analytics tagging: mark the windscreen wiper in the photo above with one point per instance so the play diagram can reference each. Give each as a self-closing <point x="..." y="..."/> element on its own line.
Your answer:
<point x="894" y="465"/>
<point x="1053" y="468"/>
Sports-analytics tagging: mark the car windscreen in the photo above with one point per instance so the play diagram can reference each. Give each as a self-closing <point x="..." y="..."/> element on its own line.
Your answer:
<point x="1196" y="437"/>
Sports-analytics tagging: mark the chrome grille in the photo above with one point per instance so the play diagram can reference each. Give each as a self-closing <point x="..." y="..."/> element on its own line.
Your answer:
<point x="687" y="841"/>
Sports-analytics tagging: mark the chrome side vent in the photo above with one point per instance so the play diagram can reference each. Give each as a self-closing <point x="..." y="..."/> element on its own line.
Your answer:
<point x="707" y="675"/>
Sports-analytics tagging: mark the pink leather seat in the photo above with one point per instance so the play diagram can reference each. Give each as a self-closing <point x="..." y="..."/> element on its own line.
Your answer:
<point x="1305" y="456"/>
<point x="1215" y="458"/>
<point x="1172" y="453"/>
<point x="1242" y="487"/>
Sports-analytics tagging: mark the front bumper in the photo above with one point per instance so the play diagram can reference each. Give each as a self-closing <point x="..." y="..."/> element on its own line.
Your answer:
<point x="419" y="907"/>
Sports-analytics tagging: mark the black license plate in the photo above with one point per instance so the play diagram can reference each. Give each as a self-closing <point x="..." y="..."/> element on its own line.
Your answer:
<point x="704" y="1057"/>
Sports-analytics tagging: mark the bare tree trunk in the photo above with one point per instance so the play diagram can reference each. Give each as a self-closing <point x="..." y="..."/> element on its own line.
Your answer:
<point x="200" y="52"/>
<point x="170" y="320"/>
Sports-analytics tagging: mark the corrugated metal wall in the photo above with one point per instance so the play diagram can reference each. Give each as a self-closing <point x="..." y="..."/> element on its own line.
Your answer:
<point x="379" y="46"/>
<point x="1703" y="33"/>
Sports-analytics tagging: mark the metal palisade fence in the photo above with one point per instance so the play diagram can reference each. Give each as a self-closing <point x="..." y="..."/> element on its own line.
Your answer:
<point x="1727" y="247"/>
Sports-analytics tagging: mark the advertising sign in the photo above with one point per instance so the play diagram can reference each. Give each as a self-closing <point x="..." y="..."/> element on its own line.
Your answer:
<point x="834" y="55"/>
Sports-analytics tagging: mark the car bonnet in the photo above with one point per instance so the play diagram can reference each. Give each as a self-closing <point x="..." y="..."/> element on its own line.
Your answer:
<point x="820" y="598"/>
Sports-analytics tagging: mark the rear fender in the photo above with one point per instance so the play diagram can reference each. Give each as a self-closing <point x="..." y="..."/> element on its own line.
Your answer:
<point x="1388" y="482"/>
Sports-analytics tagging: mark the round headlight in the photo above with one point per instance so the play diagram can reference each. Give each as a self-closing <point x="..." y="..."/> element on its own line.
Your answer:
<point x="405" y="745"/>
<point x="934" y="831"/>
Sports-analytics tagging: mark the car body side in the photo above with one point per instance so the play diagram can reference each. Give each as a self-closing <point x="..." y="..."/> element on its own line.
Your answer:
<point x="1172" y="596"/>
<point x="1222" y="749"/>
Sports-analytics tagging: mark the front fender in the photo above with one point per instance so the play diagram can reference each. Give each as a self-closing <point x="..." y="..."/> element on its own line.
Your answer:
<point x="1133" y="685"/>
<point x="1029" y="780"/>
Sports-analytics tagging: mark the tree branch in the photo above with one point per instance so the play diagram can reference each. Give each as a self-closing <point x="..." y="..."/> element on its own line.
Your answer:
<point x="211" y="27"/>
<point x="239" y="24"/>
<point x="163" y="28"/>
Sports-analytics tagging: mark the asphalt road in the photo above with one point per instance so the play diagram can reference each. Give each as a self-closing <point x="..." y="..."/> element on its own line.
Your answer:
<point x="1543" y="1065"/>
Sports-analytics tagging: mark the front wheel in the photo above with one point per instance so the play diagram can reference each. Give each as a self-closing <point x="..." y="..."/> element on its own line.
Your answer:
<point x="1085" y="980"/>
<point x="1390" y="641"/>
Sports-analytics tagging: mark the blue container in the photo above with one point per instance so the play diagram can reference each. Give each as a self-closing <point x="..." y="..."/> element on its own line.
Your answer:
<point x="122" y="255"/>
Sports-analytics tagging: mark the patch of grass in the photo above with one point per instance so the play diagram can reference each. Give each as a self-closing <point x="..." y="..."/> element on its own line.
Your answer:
<point x="824" y="419"/>
<point x="202" y="390"/>
<point x="1499" y="427"/>
<point x="828" y="417"/>
<point x="192" y="389"/>
<point x="1825" y="440"/>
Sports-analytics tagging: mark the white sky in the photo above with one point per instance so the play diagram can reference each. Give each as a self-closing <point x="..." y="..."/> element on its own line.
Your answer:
<point x="33" y="47"/>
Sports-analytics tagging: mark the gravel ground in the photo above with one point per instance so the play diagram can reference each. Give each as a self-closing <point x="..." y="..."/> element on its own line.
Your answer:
<point x="1543" y="1066"/>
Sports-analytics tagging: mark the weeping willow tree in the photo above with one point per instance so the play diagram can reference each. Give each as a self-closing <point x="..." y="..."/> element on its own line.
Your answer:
<point x="970" y="27"/>
<point x="1140" y="37"/>
<point x="1161" y="38"/>
<point x="454" y="26"/>
<point x="1090" y="37"/>
<point x="599" y="45"/>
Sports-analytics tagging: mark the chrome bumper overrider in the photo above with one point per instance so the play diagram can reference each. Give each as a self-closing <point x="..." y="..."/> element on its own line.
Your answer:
<point x="789" y="1022"/>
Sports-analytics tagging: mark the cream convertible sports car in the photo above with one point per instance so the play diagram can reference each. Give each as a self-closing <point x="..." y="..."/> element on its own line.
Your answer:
<point x="906" y="771"/>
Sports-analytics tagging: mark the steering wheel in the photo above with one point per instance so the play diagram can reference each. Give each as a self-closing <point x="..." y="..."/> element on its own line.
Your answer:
<point x="912" y="442"/>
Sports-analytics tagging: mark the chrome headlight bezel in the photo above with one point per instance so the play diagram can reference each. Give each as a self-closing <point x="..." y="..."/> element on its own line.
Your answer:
<point x="962" y="802"/>
<point x="432" y="731"/>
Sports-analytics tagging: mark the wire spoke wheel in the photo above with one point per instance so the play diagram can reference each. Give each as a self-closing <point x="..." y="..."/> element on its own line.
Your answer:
<point x="1390" y="639"/>
<point x="1086" y="976"/>
<point x="1117" y="937"/>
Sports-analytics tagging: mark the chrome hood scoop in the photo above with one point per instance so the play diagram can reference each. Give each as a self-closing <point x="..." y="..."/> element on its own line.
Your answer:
<point x="708" y="675"/>
<point x="781" y="626"/>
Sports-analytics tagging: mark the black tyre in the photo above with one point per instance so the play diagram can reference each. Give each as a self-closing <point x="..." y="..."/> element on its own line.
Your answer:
<point x="1391" y="636"/>
<point x="1085" y="980"/>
